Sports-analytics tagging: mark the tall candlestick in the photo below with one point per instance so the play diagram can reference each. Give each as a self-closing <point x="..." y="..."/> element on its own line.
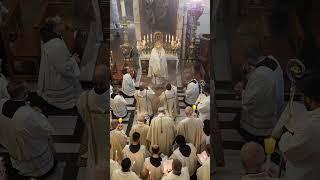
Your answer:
<point x="123" y="8"/>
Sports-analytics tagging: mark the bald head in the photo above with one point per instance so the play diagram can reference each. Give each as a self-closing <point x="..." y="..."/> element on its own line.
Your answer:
<point x="101" y="75"/>
<point x="141" y="118"/>
<point x="188" y="111"/>
<point x="252" y="157"/>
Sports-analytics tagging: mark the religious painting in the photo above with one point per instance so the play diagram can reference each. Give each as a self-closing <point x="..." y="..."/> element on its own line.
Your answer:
<point x="159" y="15"/>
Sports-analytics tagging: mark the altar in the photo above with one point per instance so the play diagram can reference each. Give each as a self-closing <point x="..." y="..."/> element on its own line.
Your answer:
<point x="144" y="62"/>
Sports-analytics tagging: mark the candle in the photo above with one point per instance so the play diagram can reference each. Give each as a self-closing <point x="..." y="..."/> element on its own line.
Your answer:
<point x="172" y="38"/>
<point x="147" y="37"/>
<point x="151" y="37"/>
<point x="166" y="38"/>
<point x="116" y="158"/>
<point x="123" y="8"/>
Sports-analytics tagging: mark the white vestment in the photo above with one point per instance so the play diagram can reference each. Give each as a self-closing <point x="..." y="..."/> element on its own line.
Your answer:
<point x="158" y="64"/>
<point x="204" y="108"/>
<point x="114" y="166"/>
<point x="162" y="132"/>
<point x="203" y="172"/>
<point x="118" y="141"/>
<point x="190" y="162"/>
<point x="183" y="176"/>
<point x="136" y="158"/>
<point x="26" y="137"/>
<point x="119" y="106"/>
<point x="120" y="175"/>
<point x="128" y="85"/>
<point x="155" y="172"/>
<point x="192" y="129"/>
<point x="168" y="100"/>
<point x="259" y="114"/>
<point x="3" y="87"/>
<point x="142" y="129"/>
<point x="192" y="93"/>
<point x="144" y="101"/>
<point x="93" y="109"/>
<point x="302" y="149"/>
<point x="58" y="81"/>
<point x="278" y="75"/>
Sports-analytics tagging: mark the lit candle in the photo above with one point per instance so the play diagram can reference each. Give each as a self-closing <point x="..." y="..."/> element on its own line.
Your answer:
<point x="172" y="38"/>
<point x="116" y="158"/>
<point x="147" y="37"/>
<point x="123" y="8"/>
<point x="166" y="37"/>
<point x="150" y="175"/>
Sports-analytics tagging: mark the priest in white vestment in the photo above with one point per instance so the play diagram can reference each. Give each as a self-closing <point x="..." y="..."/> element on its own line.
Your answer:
<point x="25" y="133"/>
<point x="192" y="92"/>
<point x="178" y="172"/>
<point x="158" y="69"/>
<point x="142" y="129"/>
<point x="58" y="80"/>
<point x="259" y="102"/>
<point x="191" y="128"/>
<point x="168" y="99"/>
<point x="204" y="171"/>
<point x="162" y="132"/>
<point x="203" y="104"/>
<point x="92" y="107"/>
<point x="118" y="106"/>
<point x="136" y="152"/>
<point x="144" y="97"/>
<point x="187" y="155"/>
<point x="114" y="166"/>
<point x="301" y="144"/>
<point x="128" y="83"/>
<point x="153" y="164"/>
<point x="124" y="173"/>
<point x="118" y="140"/>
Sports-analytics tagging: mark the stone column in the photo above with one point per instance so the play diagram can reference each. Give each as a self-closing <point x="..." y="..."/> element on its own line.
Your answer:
<point x="137" y="22"/>
<point x="180" y="15"/>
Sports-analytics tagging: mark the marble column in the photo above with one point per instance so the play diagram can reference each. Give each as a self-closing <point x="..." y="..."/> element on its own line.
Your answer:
<point x="184" y="32"/>
<point x="180" y="15"/>
<point x="137" y="19"/>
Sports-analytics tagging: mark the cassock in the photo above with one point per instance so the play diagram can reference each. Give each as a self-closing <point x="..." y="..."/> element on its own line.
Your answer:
<point x="142" y="129"/>
<point x="203" y="172"/>
<point x="258" y="176"/>
<point x="154" y="166"/>
<point x="162" y="132"/>
<point x="301" y="148"/>
<point x="259" y="106"/>
<point x="119" y="106"/>
<point x="114" y="166"/>
<point x="168" y="100"/>
<point x="192" y="93"/>
<point x="128" y="85"/>
<point x="118" y="141"/>
<point x="190" y="162"/>
<point x="144" y="101"/>
<point x="26" y="134"/>
<point x="183" y="176"/>
<point x="158" y="64"/>
<point x="192" y="129"/>
<point x="58" y="81"/>
<point x="137" y="154"/>
<point x="204" y="108"/>
<point x="3" y="87"/>
<point x="119" y="174"/>
<point x="92" y="107"/>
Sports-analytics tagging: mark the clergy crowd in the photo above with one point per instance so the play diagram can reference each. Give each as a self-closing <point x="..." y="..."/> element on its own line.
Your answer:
<point x="294" y="126"/>
<point x="158" y="146"/>
<point x="25" y="131"/>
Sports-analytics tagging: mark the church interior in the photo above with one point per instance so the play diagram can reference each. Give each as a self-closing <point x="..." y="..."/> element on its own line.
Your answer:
<point x="157" y="43"/>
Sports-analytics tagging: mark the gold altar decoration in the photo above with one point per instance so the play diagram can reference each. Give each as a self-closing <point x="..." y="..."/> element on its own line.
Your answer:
<point x="170" y="43"/>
